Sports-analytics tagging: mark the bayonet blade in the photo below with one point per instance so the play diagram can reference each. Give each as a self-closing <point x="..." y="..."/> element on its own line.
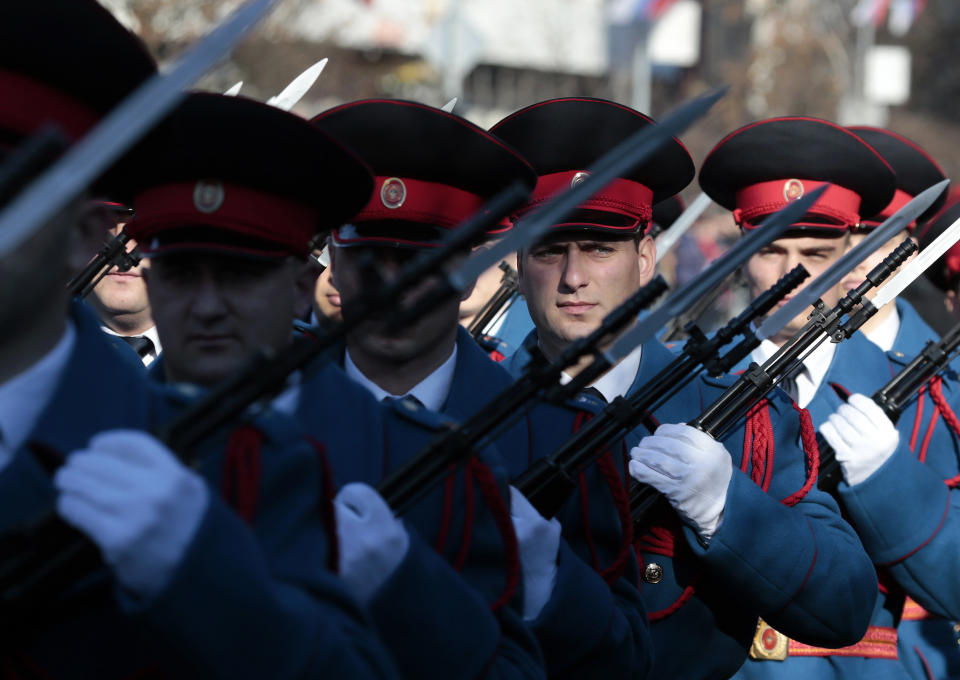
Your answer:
<point x="630" y="154"/>
<point x="669" y="238"/>
<point x="233" y="90"/>
<point x="449" y="106"/>
<point x="828" y="279"/>
<point x="680" y="301"/>
<point x="298" y="87"/>
<point x="917" y="266"/>
<point x="121" y="129"/>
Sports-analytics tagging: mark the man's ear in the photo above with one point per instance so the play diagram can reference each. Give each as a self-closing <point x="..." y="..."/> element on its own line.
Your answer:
<point x="950" y="301"/>
<point x="646" y="259"/>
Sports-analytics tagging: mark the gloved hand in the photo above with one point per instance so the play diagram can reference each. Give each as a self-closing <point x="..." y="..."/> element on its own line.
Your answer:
<point x="136" y="501"/>
<point x="539" y="541"/>
<point x="691" y="469"/>
<point x="862" y="437"/>
<point x="373" y="542"/>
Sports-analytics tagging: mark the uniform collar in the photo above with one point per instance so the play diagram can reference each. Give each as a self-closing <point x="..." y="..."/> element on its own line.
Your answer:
<point x="150" y="333"/>
<point x="814" y="370"/>
<point x="885" y="335"/>
<point x="432" y="391"/>
<point x="617" y="381"/>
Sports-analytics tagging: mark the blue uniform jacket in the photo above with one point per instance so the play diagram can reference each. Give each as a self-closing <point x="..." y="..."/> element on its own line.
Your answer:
<point x="800" y="567"/>
<point x="916" y="535"/>
<point x="247" y="601"/>
<point x="451" y="609"/>
<point x="587" y="626"/>
<point x="857" y="366"/>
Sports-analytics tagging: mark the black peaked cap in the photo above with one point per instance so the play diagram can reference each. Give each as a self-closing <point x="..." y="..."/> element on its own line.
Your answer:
<point x="572" y="133"/>
<point x="74" y="46"/>
<point x="797" y="147"/>
<point x="915" y="169"/>
<point x="415" y="141"/>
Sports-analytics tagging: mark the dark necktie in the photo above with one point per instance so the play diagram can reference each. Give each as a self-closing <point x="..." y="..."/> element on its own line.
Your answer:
<point x="141" y="344"/>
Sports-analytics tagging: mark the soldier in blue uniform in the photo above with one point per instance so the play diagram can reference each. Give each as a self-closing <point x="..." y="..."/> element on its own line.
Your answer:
<point x="192" y="587"/>
<point x="583" y="625"/>
<point x="927" y="428"/>
<point x="752" y="536"/>
<point x="741" y="175"/>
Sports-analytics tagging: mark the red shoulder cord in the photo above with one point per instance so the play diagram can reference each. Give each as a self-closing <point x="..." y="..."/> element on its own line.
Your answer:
<point x="241" y="471"/>
<point x="487" y="484"/>
<point x="759" y="440"/>
<point x="949" y="417"/>
<point x="621" y="501"/>
<point x="327" y="513"/>
<point x="808" y="438"/>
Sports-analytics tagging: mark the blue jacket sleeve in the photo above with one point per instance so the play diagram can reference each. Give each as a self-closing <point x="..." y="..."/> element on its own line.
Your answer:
<point x="809" y="577"/>
<point x="439" y="627"/>
<point x="913" y="539"/>
<point x="588" y="627"/>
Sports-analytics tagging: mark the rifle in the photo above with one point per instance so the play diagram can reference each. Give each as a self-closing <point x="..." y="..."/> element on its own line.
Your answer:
<point x="548" y="483"/>
<point x="58" y="553"/>
<point x="406" y="485"/>
<point x="113" y="254"/>
<point x="498" y="304"/>
<point x="757" y="381"/>
<point x="894" y="396"/>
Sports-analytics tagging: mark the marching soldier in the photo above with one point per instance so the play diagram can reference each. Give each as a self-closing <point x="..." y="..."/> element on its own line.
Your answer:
<point x="743" y="175"/>
<point x="928" y="643"/>
<point x="723" y="559"/>
<point x="120" y="300"/>
<point x="900" y="332"/>
<point x="583" y="625"/>
<point x="189" y="589"/>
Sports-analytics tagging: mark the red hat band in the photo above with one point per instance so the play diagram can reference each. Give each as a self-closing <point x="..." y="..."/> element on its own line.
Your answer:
<point x="233" y="208"/>
<point x="622" y="196"/>
<point x="839" y="206"/>
<point x="412" y="200"/>
<point x="951" y="261"/>
<point x="26" y="104"/>
<point x="900" y="199"/>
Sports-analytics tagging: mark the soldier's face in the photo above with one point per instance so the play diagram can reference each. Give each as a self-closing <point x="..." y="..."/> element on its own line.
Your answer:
<point x="214" y="311"/>
<point x="572" y="283"/>
<point x="770" y="263"/>
<point x="435" y="329"/>
<point x="122" y="293"/>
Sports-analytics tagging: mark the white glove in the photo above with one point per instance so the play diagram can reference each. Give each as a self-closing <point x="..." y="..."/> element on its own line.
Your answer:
<point x="691" y="469"/>
<point x="539" y="541"/>
<point x="373" y="542"/>
<point x="862" y="437"/>
<point x="136" y="501"/>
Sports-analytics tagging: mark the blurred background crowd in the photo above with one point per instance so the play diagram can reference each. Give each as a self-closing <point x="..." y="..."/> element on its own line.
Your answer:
<point x="876" y="62"/>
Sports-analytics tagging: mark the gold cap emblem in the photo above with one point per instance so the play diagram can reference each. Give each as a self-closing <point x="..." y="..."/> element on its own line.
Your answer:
<point x="393" y="193"/>
<point x="208" y="196"/>
<point x="792" y="189"/>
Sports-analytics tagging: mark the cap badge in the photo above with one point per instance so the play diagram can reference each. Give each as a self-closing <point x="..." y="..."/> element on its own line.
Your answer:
<point x="393" y="193"/>
<point x="578" y="178"/>
<point x="792" y="189"/>
<point x="208" y="196"/>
